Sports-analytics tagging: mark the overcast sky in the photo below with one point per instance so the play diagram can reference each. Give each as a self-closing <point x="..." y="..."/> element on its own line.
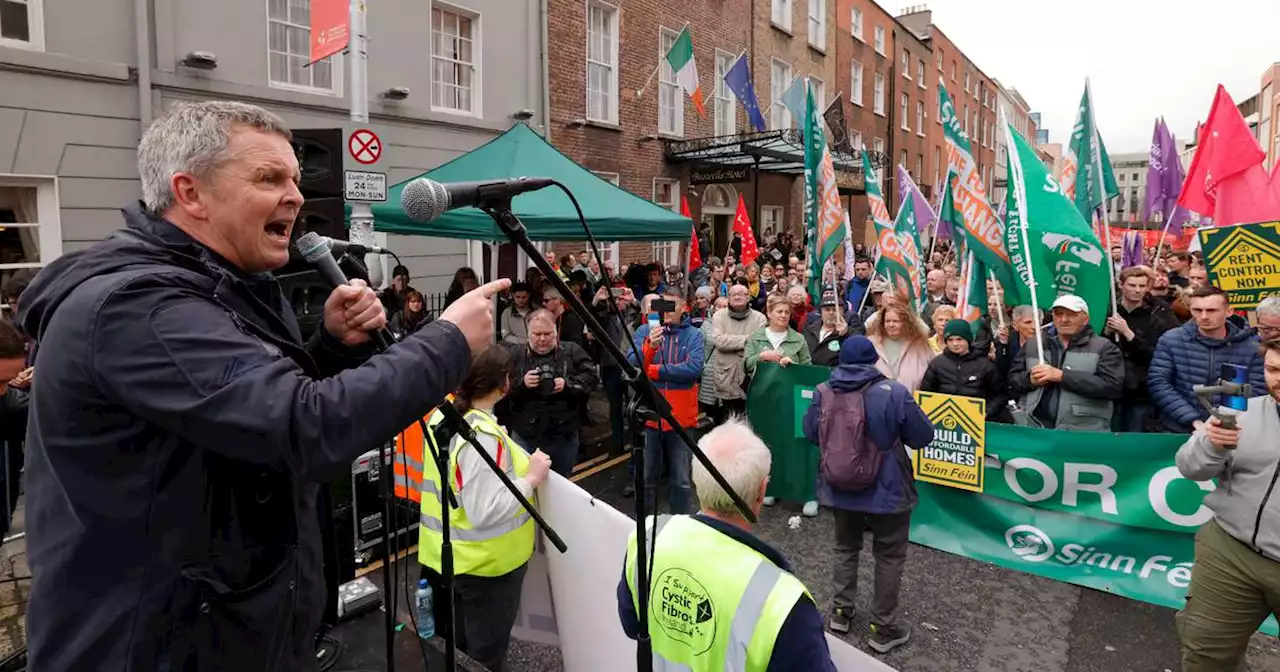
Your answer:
<point x="1145" y="58"/>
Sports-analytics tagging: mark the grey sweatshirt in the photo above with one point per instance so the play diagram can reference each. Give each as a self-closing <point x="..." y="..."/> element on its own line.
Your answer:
<point x="1245" y="503"/>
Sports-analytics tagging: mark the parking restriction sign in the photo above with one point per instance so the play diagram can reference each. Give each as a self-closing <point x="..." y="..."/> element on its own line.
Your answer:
<point x="364" y="146"/>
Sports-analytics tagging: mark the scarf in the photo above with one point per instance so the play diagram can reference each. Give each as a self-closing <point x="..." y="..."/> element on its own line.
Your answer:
<point x="739" y="315"/>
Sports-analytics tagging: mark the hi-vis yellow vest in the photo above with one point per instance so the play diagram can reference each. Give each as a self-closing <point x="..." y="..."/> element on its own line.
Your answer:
<point x="716" y="605"/>
<point x="477" y="551"/>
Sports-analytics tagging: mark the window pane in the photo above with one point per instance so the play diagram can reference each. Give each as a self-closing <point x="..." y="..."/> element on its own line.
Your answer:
<point x="278" y="10"/>
<point x="278" y="37"/>
<point x="279" y="67"/>
<point x="299" y="42"/>
<point x="300" y="12"/>
<point x="322" y="74"/>
<point x="298" y="71"/>
<point x="13" y="21"/>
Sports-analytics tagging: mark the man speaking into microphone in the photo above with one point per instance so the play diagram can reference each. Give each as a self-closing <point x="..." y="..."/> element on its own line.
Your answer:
<point x="180" y="423"/>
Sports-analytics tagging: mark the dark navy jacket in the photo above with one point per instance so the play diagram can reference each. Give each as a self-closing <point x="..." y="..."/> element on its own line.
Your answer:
<point x="893" y="420"/>
<point x="801" y="645"/>
<point x="175" y="439"/>
<point x="1185" y="357"/>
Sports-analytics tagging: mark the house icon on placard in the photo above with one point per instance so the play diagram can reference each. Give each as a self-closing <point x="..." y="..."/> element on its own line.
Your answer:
<point x="950" y="415"/>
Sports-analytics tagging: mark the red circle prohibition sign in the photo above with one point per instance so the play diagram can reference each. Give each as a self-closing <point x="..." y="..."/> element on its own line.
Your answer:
<point x="364" y="146"/>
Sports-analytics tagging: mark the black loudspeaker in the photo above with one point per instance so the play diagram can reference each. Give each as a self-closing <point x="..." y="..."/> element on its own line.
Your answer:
<point x="319" y="152"/>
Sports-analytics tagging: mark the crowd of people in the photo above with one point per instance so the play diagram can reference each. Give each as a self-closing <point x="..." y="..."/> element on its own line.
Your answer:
<point x="702" y="337"/>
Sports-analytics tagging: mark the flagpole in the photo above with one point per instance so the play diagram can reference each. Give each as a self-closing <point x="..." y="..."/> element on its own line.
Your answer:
<point x="1020" y="196"/>
<point x="1163" y="232"/>
<point x="1102" y="192"/>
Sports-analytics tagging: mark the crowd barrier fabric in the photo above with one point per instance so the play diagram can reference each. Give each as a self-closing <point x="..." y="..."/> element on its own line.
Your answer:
<point x="1105" y="511"/>
<point x="570" y="600"/>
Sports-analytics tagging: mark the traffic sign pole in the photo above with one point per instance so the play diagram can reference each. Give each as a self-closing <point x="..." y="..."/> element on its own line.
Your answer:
<point x="362" y="211"/>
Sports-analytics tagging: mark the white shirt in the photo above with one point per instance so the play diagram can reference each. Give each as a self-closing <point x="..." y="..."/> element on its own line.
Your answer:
<point x="483" y="496"/>
<point x="775" y="337"/>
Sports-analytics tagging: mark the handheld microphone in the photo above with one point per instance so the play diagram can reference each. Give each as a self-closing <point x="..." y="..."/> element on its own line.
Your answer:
<point x="341" y="247"/>
<point x="424" y="200"/>
<point x="317" y="251"/>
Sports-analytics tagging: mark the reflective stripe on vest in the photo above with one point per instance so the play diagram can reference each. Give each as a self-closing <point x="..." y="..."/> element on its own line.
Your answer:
<point x="493" y="550"/>
<point x="703" y="569"/>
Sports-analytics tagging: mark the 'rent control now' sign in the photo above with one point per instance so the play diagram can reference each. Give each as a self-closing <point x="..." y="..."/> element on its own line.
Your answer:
<point x="1244" y="261"/>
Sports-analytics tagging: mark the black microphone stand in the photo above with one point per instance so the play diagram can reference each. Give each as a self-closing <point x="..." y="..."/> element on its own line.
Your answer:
<point x="453" y="423"/>
<point x="499" y="208"/>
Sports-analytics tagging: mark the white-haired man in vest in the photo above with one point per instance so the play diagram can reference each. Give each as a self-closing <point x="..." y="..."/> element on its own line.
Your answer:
<point x="708" y="568"/>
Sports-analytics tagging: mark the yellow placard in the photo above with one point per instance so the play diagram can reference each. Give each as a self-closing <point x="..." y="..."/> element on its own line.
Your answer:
<point x="955" y="457"/>
<point x="1244" y="261"/>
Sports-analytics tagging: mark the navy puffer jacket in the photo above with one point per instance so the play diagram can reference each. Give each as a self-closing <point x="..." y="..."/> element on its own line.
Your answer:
<point x="1184" y="357"/>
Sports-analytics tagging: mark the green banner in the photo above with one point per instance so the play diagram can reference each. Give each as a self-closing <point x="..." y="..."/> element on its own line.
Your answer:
<point x="1106" y="511"/>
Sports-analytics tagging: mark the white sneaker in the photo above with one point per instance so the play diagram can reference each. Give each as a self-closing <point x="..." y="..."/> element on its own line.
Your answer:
<point x="810" y="509"/>
<point x="770" y="501"/>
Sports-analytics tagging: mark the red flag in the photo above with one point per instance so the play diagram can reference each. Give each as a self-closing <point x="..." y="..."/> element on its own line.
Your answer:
<point x="695" y="257"/>
<point x="1227" y="148"/>
<point x="329" y="34"/>
<point x="742" y="225"/>
<point x="1246" y="198"/>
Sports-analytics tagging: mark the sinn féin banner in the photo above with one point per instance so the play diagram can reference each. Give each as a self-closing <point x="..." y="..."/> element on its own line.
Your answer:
<point x="1106" y="511"/>
<point x="1244" y="261"/>
<point x="955" y="457"/>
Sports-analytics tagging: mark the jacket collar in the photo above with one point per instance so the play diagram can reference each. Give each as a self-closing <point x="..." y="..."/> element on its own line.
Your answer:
<point x="742" y="536"/>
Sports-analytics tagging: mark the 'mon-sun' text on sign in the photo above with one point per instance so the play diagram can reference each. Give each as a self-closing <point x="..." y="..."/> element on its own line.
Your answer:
<point x="1244" y="261"/>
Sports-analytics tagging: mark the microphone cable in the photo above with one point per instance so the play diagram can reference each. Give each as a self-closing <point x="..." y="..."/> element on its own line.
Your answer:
<point x="626" y="330"/>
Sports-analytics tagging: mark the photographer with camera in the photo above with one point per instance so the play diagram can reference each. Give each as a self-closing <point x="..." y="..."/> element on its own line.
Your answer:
<point x="1235" y="582"/>
<point x="553" y="378"/>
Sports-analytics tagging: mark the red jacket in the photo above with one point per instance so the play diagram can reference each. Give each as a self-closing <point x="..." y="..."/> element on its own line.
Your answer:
<point x="675" y="366"/>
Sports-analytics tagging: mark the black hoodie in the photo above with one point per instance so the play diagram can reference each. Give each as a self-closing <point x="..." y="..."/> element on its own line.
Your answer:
<point x="174" y="441"/>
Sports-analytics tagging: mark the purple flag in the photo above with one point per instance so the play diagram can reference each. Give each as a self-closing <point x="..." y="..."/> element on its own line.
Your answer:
<point x="1175" y="216"/>
<point x="1157" y="173"/>
<point x="925" y="217"/>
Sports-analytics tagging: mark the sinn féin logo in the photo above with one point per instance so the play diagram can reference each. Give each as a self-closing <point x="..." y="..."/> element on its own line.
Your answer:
<point x="1029" y="543"/>
<point x="1064" y="244"/>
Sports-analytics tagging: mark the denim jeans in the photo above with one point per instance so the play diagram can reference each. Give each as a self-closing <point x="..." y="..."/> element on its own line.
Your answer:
<point x="563" y="451"/>
<point x="1134" y="415"/>
<point x="666" y="448"/>
<point x="615" y="389"/>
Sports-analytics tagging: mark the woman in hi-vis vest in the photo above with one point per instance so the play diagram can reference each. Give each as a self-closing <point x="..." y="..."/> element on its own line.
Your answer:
<point x="491" y="534"/>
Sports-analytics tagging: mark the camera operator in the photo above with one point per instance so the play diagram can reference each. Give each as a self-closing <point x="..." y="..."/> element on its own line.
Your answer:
<point x="180" y="423"/>
<point x="1235" y="582"/>
<point x="553" y="379"/>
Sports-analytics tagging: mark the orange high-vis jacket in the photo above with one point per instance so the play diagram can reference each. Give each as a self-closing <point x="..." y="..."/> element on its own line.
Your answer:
<point x="411" y="447"/>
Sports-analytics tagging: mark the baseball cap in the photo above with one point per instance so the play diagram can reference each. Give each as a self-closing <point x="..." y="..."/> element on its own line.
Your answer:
<point x="1072" y="303"/>
<point x="829" y="298"/>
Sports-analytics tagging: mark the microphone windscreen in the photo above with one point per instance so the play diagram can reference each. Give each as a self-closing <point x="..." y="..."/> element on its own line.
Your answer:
<point x="423" y="200"/>
<point x="312" y="246"/>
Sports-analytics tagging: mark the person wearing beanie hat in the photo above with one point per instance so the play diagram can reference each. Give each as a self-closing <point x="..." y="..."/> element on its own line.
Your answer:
<point x="858" y="394"/>
<point x="1076" y="381"/>
<point x="966" y="372"/>
<point x="826" y="331"/>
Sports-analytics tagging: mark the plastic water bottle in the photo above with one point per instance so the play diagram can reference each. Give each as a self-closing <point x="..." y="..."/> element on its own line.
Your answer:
<point x="426" y="612"/>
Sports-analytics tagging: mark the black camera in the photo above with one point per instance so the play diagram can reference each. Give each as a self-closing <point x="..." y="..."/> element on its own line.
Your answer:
<point x="546" y="379"/>
<point x="662" y="306"/>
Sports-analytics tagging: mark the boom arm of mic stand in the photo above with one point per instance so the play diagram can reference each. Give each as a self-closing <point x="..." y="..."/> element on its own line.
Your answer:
<point x="469" y="435"/>
<point x="516" y="232"/>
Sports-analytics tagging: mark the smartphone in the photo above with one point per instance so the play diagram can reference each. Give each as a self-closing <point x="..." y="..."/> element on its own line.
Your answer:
<point x="654" y="320"/>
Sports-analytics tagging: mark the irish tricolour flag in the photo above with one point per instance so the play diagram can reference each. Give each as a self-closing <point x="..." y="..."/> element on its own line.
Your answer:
<point x="681" y="60"/>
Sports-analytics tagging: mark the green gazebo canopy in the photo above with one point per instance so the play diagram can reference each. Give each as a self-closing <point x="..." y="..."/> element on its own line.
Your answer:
<point x="614" y="214"/>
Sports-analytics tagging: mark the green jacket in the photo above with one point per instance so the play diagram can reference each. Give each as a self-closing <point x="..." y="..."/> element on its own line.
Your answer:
<point x="793" y="346"/>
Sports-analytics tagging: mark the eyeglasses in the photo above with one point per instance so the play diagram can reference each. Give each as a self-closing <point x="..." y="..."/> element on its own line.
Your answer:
<point x="1264" y="329"/>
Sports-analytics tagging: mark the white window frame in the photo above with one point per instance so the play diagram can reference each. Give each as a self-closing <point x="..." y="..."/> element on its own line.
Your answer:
<point x="921" y="73"/>
<point x="667" y="83"/>
<point x="819" y="89"/>
<point x="919" y="174"/>
<point x="817" y="25"/>
<point x="771" y="216"/>
<point x="904" y="111"/>
<point x="777" y="87"/>
<point x="609" y="250"/>
<point x="611" y="117"/>
<point x="879" y="95"/>
<point x="855" y="140"/>
<point x="780" y="14"/>
<point x="35" y="28"/>
<point x="937" y="167"/>
<point x="920" y="118"/>
<point x="942" y="57"/>
<point x="337" y="62"/>
<point x="857" y="83"/>
<point x="723" y="97"/>
<point x="48" y="222"/>
<point x="879" y="40"/>
<point x="877" y="145"/>
<point x="855" y="25"/>
<point x="967" y="82"/>
<point x="903" y="162"/>
<point x="667" y="252"/>
<point x="906" y="64"/>
<point x="476" y="54"/>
